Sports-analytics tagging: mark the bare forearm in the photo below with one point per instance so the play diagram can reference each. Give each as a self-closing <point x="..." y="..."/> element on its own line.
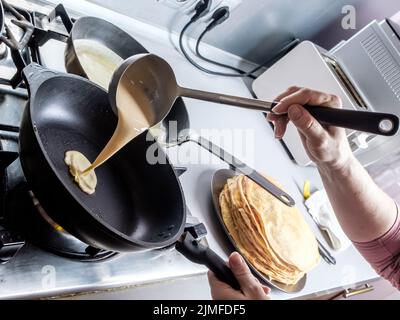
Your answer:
<point x="364" y="211"/>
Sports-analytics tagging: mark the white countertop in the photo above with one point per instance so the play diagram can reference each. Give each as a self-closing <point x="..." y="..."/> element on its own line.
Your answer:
<point x="269" y="156"/>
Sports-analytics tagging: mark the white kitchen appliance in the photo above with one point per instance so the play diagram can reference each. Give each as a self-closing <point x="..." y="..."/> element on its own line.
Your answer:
<point x="364" y="71"/>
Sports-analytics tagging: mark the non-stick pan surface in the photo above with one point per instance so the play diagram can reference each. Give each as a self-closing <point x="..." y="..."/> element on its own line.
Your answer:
<point x="92" y="28"/>
<point x="136" y="205"/>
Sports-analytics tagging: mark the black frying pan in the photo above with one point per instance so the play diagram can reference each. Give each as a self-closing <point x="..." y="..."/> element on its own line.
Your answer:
<point x="137" y="205"/>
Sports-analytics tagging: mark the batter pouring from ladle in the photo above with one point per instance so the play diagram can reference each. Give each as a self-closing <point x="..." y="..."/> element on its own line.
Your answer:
<point x="134" y="117"/>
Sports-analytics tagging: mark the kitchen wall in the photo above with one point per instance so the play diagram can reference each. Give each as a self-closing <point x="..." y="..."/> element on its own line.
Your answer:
<point x="257" y="28"/>
<point x="367" y="10"/>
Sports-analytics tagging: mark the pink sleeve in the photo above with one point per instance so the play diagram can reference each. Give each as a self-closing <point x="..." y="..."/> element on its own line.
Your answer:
<point x="384" y="254"/>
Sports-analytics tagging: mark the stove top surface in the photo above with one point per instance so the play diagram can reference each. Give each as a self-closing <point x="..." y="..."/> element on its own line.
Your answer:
<point x="51" y="262"/>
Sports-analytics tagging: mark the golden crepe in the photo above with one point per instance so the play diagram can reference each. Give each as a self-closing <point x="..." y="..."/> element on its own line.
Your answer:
<point x="273" y="237"/>
<point x="77" y="164"/>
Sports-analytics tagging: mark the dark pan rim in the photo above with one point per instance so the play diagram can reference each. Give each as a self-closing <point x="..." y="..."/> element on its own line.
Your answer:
<point x="111" y="26"/>
<point x="105" y="22"/>
<point x="2" y="17"/>
<point x="116" y="233"/>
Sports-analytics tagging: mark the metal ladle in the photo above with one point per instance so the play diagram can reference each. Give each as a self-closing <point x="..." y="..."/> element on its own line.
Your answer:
<point x="179" y="117"/>
<point x="154" y="83"/>
<point x="181" y="134"/>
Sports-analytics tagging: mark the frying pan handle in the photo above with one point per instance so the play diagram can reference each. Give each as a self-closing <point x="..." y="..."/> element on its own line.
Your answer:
<point x="34" y="75"/>
<point x="200" y="254"/>
<point x="218" y="266"/>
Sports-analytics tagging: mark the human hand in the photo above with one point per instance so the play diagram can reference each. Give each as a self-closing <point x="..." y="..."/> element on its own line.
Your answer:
<point x="251" y="288"/>
<point x="328" y="147"/>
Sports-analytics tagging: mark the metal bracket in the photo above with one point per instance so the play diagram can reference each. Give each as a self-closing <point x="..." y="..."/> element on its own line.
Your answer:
<point x="59" y="11"/>
<point x="21" y="21"/>
<point x="198" y="231"/>
<point x="42" y="36"/>
<point x="395" y="27"/>
<point x="10" y="244"/>
<point x="33" y="38"/>
<point x="357" y="291"/>
<point x="180" y="170"/>
<point x="18" y="48"/>
<point x="6" y="158"/>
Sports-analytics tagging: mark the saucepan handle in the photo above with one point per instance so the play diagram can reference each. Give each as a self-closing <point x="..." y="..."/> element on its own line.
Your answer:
<point x="34" y="75"/>
<point x="243" y="168"/>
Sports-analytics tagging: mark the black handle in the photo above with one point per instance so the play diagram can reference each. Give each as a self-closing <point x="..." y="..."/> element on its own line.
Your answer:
<point x="7" y="157"/>
<point x="34" y="75"/>
<point x="325" y="254"/>
<point x="372" y="122"/>
<point x="241" y="167"/>
<point x="193" y="250"/>
<point x="218" y="266"/>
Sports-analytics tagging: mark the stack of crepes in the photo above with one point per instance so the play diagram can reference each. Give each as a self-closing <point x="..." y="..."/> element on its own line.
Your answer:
<point x="273" y="237"/>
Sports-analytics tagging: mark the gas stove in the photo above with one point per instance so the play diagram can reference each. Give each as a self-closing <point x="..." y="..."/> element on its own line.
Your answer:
<point x="21" y="216"/>
<point x="34" y="248"/>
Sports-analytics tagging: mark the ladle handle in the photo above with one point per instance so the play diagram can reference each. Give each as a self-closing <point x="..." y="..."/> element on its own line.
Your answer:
<point x="243" y="168"/>
<point x="384" y="124"/>
<point x="252" y="104"/>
